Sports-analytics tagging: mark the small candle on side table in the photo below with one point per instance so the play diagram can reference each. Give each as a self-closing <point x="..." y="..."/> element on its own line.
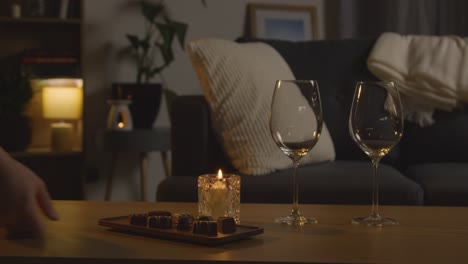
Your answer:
<point x="219" y="195"/>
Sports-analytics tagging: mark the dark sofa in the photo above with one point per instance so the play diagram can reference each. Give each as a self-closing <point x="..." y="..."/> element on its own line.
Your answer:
<point x="428" y="167"/>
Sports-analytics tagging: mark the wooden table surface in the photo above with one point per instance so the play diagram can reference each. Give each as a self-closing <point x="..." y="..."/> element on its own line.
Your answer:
<point x="425" y="235"/>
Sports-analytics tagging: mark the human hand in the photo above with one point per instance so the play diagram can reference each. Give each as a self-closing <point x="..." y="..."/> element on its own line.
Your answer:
<point x="23" y="197"/>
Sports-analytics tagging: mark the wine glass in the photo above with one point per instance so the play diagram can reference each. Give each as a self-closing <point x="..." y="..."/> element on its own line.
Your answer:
<point x="376" y="125"/>
<point x="295" y="125"/>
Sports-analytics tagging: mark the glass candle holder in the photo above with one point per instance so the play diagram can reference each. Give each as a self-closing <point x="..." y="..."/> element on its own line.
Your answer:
<point x="219" y="195"/>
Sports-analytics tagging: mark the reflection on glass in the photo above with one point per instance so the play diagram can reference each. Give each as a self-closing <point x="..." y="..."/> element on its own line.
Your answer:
<point x="376" y="125"/>
<point x="295" y="125"/>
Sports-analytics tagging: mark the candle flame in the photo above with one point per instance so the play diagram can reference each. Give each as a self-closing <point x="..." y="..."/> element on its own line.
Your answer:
<point x="220" y="174"/>
<point x="120" y="124"/>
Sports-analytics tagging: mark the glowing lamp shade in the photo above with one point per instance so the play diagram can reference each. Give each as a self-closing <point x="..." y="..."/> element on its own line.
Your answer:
<point x="62" y="102"/>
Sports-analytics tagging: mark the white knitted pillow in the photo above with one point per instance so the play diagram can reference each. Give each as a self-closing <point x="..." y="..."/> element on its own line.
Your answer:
<point x="238" y="83"/>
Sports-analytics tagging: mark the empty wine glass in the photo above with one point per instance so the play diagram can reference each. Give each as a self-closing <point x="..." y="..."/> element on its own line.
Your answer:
<point x="376" y="125"/>
<point x="295" y="125"/>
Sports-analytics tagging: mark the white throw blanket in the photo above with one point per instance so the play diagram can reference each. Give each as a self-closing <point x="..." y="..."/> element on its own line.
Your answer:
<point x="431" y="72"/>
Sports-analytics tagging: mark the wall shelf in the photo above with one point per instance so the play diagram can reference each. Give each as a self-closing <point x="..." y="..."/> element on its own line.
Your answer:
<point x="40" y="20"/>
<point x="49" y="34"/>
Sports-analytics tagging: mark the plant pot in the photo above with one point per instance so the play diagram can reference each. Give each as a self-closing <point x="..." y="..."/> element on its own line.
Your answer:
<point x="146" y="101"/>
<point x="15" y="132"/>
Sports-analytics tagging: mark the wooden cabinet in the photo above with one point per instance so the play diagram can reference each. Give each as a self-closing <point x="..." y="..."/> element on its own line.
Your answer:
<point x="61" y="172"/>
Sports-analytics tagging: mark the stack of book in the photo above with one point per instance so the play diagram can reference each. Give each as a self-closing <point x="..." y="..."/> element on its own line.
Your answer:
<point x="50" y="63"/>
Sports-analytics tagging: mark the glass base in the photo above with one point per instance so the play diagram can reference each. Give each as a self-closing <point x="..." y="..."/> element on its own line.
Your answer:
<point x="295" y="219"/>
<point x="374" y="220"/>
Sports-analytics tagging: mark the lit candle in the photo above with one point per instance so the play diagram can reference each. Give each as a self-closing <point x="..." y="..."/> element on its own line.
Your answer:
<point x="219" y="195"/>
<point x="216" y="197"/>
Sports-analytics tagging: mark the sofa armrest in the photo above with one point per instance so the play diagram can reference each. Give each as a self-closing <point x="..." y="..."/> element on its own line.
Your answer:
<point x="194" y="147"/>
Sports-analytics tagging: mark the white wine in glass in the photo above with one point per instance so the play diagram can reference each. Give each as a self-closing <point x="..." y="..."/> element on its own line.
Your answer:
<point x="376" y="125"/>
<point x="295" y="125"/>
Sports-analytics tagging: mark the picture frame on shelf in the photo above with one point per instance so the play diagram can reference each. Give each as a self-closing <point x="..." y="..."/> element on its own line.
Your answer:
<point x="284" y="22"/>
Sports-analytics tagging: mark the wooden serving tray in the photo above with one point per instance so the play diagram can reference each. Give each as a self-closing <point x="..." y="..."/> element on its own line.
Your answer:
<point x="121" y="223"/>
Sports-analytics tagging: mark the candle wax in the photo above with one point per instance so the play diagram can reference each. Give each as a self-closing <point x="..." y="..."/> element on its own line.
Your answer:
<point x="217" y="198"/>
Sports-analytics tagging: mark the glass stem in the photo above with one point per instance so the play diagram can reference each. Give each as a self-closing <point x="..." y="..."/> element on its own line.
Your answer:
<point x="375" y="188"/>
<point x="295" y="189"/>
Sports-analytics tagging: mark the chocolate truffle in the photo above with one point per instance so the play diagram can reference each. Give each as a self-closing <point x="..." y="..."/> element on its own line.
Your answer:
<point x="183" y="221"/>
<point x="226" y="225"/>
<point x="160" y="221"/>
<point x="209" y="228"/>
<point x="138" y="219"/>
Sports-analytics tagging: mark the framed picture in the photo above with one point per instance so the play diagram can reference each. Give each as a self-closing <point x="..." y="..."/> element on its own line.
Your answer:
<point x="286" y="22"/>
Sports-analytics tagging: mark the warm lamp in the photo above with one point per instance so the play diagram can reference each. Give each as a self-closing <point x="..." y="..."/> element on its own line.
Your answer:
<point x="62" y="102"/>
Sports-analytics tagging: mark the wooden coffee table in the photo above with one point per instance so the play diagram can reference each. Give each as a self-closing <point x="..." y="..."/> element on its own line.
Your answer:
<point x="425" y="235"/>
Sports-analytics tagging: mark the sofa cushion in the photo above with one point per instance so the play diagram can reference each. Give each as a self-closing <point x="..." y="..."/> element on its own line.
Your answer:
<point x="338" y="182"/>
<point x="237" y="81"/>
<point x="444" y="184"/>
<point x="444" y="141"/>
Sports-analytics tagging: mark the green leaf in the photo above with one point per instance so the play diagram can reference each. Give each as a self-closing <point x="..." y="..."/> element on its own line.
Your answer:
<point x="165" y="47"/>
<point x="145" y="44"/>
<point x="151" y="10"/>
<point x="157" y="70"/>
<point x="180" y="30"/>
<point x="167" y="53"/>
<point x="167" y="32"/>
<point x="134" y="41"/>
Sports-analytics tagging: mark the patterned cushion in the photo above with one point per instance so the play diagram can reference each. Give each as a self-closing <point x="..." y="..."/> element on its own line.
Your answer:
<point x="238" y="82"/>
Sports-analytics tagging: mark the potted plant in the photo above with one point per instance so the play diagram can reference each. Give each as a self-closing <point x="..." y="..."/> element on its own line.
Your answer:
<point x="15" y="126"/>
<point x="151" y="53"/>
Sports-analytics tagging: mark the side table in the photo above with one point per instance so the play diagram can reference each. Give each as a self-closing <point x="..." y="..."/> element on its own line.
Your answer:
<point x="138" y="140"/>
